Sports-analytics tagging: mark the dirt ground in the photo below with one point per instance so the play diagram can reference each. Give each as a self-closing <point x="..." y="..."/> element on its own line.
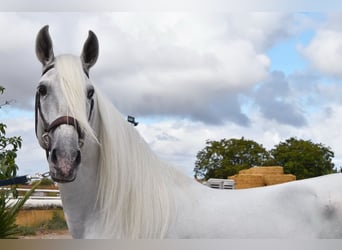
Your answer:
<point x="61" y="234"/>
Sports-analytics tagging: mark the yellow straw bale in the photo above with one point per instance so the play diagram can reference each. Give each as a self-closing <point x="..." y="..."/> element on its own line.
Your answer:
<point x="248" y="181"/>
<point x="277" y="179"/>
<point x="261" y="176"/>
<point x="263" y="170"/>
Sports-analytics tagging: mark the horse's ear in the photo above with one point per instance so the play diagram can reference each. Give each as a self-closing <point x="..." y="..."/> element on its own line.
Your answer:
<point x="90" y="51"/>
<point x="44" y="49"/>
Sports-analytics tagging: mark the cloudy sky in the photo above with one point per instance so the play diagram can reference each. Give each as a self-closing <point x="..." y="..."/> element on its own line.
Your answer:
<point x="188" y="77"/>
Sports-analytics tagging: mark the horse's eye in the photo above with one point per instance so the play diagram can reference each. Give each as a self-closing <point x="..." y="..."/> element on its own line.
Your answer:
<point x="42" y="90"/>
<point x="90" y="93"/>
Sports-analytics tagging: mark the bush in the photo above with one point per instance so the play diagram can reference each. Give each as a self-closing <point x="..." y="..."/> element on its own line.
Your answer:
<point x="9" y="211"/>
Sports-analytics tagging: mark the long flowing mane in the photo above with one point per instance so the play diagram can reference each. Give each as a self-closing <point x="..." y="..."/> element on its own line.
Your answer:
<point x="134" y="187"/>
<point x="133" y="183"/>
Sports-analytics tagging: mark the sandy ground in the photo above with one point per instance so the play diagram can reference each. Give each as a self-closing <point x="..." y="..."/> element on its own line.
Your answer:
<point x="63" y="234"/>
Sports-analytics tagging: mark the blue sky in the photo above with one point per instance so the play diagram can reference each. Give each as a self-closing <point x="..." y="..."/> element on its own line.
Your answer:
<point x="284" y="55"/>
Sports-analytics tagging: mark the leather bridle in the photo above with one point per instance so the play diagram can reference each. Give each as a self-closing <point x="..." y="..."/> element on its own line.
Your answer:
<point x="62" y="120"/>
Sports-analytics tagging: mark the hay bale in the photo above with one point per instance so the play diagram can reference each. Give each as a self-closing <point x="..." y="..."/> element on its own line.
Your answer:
<point x="261" y="176"/>
<point x="247" y="180"/>
<point x="277" y="179"/>
<point x="269" y="170"/>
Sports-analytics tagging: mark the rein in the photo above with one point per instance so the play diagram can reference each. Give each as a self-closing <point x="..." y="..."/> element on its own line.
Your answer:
<point x="24" y="179"/>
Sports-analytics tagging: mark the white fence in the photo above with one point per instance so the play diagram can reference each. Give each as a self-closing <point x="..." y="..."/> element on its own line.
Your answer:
<point x="40" y="198"/>
<point x="221" y="183"/>
<point x="41" y="193"/>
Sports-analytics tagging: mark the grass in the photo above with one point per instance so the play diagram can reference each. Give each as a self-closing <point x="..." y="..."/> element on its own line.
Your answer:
<point x="25" y="230"/>
<point x="57" y="222"/>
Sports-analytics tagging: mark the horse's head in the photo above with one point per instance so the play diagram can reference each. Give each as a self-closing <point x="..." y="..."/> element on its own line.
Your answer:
<point x="64" y="105"/>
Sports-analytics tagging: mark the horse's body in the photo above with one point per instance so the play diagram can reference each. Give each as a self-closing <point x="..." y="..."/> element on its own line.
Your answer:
<point x="302" y="209"/>
<point x="113" y="186"/>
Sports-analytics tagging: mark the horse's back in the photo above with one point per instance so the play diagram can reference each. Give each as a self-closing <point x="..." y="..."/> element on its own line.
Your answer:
<point x="301" y="209"/>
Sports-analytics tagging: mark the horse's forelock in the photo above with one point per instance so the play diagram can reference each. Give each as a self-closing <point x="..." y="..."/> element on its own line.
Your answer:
<point x="73" y="85"/>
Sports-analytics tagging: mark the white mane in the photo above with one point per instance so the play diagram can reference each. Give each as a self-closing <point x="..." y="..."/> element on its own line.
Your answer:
<point x="134" y="186"/>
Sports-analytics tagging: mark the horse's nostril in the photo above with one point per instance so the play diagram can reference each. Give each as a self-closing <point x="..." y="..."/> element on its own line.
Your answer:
<point x="78" y="158"/>
<point x="66" y="157"/>
<point x="54" y="156"/>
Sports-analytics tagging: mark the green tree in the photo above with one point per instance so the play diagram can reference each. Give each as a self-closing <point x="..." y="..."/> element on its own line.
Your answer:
<point x="8" y="169"/>
<point x="8" y="151"/>
<point x="302" y="158"/>
<point x="220" y="159"/>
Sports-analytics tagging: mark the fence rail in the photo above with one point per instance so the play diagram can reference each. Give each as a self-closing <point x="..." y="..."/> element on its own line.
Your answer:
<point x="41" y="198"/>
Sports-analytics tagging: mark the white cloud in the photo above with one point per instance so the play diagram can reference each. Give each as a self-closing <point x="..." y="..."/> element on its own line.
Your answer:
<point x="16" y="32"/>
<point x="325" y="52"/>
<point x="263" y="29"/>
<point x="149" y="60"/>
<point x="181" y="63"/>
<point x="325" y="49"/>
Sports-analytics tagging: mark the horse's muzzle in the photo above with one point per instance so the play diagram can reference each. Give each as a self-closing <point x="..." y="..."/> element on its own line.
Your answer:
<point x="64" y="165"/>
